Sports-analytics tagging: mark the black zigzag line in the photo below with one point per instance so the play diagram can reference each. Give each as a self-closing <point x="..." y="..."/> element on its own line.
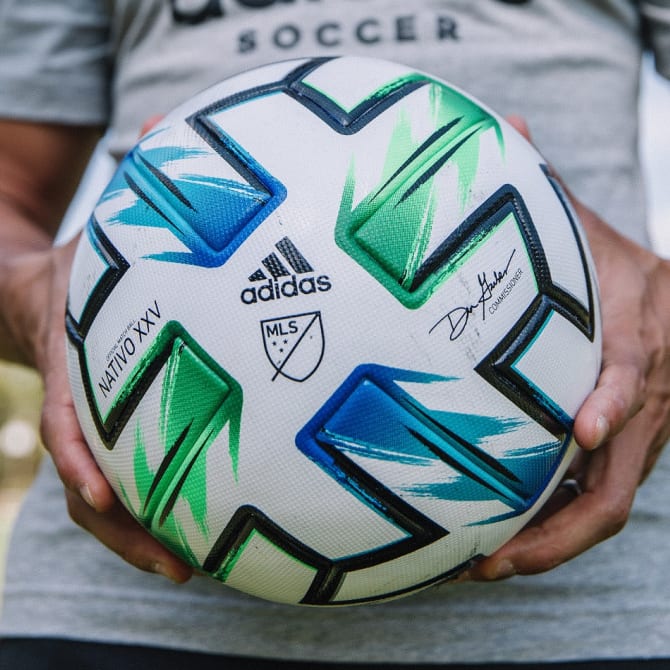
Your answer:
<point x="350" y="123"/>
<point x="498" y="366"/>
<point x="421" y="530"/>
<point x="581" y="316"/>
<point x="242" y="524"/>
<point x="486" y="217"/>
<point x="110" y="429"/>
<point x="341" y="121"/>
<point x="117" y="266"/>
<point x="329" y="573"/>
<point x="168" y="183"/>
<point x="438" y="579"/>
<point x="77" y="331"/>
<point x="172" y="453"/>
<point x="202" y="125"/>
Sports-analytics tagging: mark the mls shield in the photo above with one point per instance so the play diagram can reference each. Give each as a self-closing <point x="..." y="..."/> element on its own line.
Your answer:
<point x="294" y="345"/>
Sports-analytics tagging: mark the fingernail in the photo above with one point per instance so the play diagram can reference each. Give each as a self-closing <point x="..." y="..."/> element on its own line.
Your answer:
<point x="505" y="569"/>
<point x="85" y="493"/>
<point x="602" y="430"/>
<point x="160" y="569"/>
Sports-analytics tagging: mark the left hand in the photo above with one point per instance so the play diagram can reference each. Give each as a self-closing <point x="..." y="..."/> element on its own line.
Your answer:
<point x="37" y="287"/>
<point x="623" y="424"/>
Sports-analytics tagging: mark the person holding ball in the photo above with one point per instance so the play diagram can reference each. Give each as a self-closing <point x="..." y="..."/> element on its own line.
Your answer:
<point x="73" y="71"/>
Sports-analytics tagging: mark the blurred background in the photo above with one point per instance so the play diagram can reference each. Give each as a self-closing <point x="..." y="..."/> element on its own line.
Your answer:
<point x="20" y="389"/>
<point x="20" y="451"/>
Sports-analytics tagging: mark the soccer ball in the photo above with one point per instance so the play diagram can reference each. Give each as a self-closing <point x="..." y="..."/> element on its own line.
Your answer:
<point x="328" y="329"/>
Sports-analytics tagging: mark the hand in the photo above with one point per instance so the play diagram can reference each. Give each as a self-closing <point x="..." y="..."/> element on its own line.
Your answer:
<point x="622" y="425"/>
<point x="40" y="167"/>
<point x="39" y="288"/>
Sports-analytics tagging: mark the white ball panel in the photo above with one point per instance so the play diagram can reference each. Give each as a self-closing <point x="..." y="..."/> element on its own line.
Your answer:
<point x="315" y="369"/>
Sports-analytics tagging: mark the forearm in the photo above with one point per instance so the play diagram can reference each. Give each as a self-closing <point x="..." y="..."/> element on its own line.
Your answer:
<point x="40" y="166"/>
<point x="22" y="248"/>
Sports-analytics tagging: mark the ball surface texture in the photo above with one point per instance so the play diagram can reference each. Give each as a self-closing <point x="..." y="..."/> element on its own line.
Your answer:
<point x="328" y="329"/>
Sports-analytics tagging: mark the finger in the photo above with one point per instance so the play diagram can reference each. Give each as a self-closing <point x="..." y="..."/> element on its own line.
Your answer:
<point x="60" y="429"/>
<point x="121" y="533"/>
<point x="520" y="125"/>
<point x="621" y="389"/>
<point x="618" y="396"/>
<point x="62" y="437"/>
<point x="150" y="123"/>
<point x="578" y="465"/>
<point x="609" y="483"/>
<point x="564" y="495"/>
<point x="570" y="487"/>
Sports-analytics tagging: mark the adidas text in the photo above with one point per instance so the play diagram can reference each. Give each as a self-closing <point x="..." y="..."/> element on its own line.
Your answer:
<point x="291" y="288"/>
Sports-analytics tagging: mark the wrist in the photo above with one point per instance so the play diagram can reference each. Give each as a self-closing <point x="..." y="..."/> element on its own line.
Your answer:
<point x="24" y="289"/>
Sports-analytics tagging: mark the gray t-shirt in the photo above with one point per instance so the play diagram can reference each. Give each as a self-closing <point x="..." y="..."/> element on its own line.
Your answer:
<point x="571" y="68"/>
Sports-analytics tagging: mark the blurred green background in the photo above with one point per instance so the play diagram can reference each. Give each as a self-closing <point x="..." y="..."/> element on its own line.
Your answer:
<point x="20" y="448"/>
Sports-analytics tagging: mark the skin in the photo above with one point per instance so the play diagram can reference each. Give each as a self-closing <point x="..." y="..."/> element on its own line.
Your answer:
<point x="621" y="427"/>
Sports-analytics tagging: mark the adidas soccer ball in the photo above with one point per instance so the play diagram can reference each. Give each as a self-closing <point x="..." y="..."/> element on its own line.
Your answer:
<point x="328" y="329"/>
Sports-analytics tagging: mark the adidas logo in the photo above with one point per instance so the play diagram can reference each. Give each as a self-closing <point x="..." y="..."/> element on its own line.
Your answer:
<point x="274" y="280"/>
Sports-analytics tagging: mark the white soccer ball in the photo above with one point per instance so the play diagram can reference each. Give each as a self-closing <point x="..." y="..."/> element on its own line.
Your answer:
<point x="328" y="330"/>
